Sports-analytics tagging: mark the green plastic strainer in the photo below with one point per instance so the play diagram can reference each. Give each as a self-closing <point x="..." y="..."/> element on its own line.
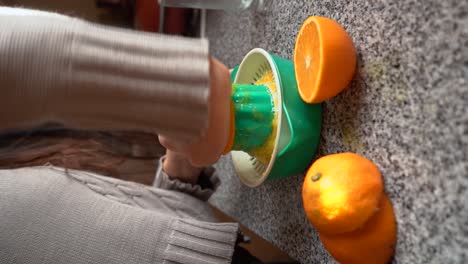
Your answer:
<point x="298" y="123"/>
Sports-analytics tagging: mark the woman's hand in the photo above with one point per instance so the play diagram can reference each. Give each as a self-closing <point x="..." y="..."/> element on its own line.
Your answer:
<point x="209" y="148"/>
<point x="178" y="167"/>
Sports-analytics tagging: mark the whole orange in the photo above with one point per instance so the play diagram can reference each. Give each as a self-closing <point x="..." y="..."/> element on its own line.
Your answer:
<point x="340" y="192"/>
<point x="374" y="243"/>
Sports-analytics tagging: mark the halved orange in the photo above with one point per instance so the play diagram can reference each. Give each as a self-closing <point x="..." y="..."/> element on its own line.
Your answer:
<point x="374" y="243"/>
<point x="324" y="59"/>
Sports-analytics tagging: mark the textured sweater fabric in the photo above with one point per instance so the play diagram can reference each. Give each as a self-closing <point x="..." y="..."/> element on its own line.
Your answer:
<point x="54" y="216"/>
<point x="55" y="68"/>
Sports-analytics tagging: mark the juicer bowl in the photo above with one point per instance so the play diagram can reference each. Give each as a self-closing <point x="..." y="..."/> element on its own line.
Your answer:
<point x="298" y="123"/>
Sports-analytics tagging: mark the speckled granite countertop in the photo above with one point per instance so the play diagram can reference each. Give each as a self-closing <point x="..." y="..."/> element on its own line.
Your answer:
<point x="406" y="110"/>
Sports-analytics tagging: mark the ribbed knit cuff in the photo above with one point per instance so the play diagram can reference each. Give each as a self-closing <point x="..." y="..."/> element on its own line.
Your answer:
<point x="207" y="183"/>
<point x="195" y="242"/>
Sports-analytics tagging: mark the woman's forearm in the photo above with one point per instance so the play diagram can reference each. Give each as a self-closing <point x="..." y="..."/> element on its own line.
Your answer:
<point x="55" y="68"/>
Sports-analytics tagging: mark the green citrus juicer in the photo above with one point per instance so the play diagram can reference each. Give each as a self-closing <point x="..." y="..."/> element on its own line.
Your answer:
<point x="276" y="132"/>
<point x="254" y="114"/>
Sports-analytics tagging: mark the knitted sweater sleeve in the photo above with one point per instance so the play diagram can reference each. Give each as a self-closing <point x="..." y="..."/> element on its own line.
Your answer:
<point x="52" y="216"/>
<point x="55" y="68"/>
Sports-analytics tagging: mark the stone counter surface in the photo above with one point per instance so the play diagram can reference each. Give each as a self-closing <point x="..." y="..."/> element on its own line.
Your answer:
<point x="406" y="110"/>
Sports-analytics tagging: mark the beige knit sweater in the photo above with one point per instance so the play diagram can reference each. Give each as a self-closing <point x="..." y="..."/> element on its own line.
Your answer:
<point x="55" y="68"/>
